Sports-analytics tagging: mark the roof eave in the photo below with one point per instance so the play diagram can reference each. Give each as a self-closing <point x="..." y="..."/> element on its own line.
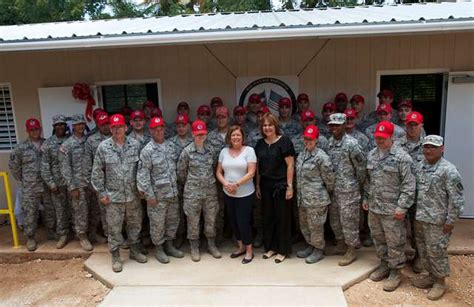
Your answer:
<point x="253" y="34"/>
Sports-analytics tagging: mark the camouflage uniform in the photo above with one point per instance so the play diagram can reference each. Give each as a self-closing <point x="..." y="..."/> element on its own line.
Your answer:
<point x="314" y="177"/>
<point x="324" y="130"/>
<point x="402" y="125"/>
<point x="74" y="171"/>
<point x="361" y="138"/>
<point x="291" y="128"/>
<point x="196" y="171"/>
<point x="114" y="174"/>
<point x="25" y="166"/>
<point x="364" y="122"/>
<point x="398" y="133"/>
<point x="97" y="210"/>
<point x="51" y="174"/>
<point x="156" y="179"/>
<point x="142" y="139"/>
<point x="253" y="137"/>
<point x="389" y="188"/>
<point x="349" y="165"/>
<point x="440" y="201"/>
<point x="298" y="143"/>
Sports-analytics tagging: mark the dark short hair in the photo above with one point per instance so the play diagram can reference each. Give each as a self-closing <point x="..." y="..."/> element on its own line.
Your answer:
<point x="272" y="120"/>
<point x="232" y="129"/>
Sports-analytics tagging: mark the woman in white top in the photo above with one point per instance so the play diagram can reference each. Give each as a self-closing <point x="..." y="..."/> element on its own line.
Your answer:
<point x="235" y="171"/>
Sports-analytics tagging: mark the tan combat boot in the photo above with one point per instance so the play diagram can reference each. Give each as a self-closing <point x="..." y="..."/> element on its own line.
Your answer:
<point x="212" y="248"/>
<point x="438" y="290"/>
<point x="116" y="261"/>
<point x="160" y="255"/>
<point x="381" y="273"/>
<point x="136" y="254"/>
<point x="61" y="242"/>
<point x="31" y="244"/>
<point x="195" y="256"/>
<point x="349" y="257"/>
<point x="393" y="280"/>
<point x="85" y="243"/>
<point x="423" y="282"/>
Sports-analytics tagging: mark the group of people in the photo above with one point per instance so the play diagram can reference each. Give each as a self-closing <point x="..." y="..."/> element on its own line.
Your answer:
<point x="372" y="176"/>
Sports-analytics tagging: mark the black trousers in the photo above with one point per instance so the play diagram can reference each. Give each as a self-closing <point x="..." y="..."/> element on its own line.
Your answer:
<point x="276" y="217"/>
<point x="240" y="212"/>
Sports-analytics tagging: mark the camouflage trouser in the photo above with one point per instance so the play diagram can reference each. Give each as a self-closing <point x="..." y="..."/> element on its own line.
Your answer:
<point x="344" y="217"/>
<point x="49" y="212"/>
<point x="389" y="237"/>
<point x="164" y="220"/>
<point x="96" y="213"/>
<point x="60" y="202"/>
<point x="116" y="214"/>
<point x="30" y="204"/>
<point x="80" y="211"/>
<point x="193" y="207"/>
<point x="220" y="212"/>
<point x="312" y="221"/>
<point x="433" y="248"/>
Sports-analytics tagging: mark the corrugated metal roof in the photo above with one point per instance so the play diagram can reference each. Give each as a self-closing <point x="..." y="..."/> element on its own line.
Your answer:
<point x="313" y="21"/>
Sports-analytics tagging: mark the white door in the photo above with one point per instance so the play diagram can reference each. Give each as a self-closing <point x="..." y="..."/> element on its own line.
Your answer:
<point x="459" y="134"/>
<point x="59" y="100"/>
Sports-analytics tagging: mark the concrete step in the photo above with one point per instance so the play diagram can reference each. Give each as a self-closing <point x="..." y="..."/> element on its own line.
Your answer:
<point x="224" y="296"/>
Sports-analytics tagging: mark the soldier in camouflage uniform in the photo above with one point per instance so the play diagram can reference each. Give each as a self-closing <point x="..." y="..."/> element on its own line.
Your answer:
<point x="254" y="105"/>
<point x="440" y="202"/>
<point x="288" y="126"/>
<point x="341" y="101"/>
<point x="358" y="104"/>
<point x="97" y="211"/>
<point x="328" y="109"/>
<point x="51" y="174"/>
<point x="196" y="172"/>
<point x="182" y="139"/>
<point x="389" y="191"/>
<point x="25" y="166"/>
<point x="216" y="140"/>
<point x="171" y="129"/>
<point x="314" y="178"/>
<point x="156" y="180"/>
<point x="256" y="133"/>
<point x="139" y="133"/>
<point x="308" y="118"/>
<point x="384" y="113"/>
<point x="114" y="175"/>
<point x="73" y="170"/>
<point x="216" y="102"/>
<point x="349" y="165"/>
<point x="303" y="104"/>
<point x="385" y="97"/>
<point x="405" y="107"/>
<point x="204" y="113"/>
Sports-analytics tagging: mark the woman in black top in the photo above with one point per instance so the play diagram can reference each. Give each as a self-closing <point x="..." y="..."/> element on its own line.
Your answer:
<point x="275" y="159"/>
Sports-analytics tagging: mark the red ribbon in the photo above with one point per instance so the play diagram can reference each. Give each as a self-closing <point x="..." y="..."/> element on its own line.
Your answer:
<point x="82" y="91"/>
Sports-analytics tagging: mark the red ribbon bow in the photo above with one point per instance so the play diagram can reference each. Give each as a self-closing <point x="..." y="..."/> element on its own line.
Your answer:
<point x="82" y="91"/>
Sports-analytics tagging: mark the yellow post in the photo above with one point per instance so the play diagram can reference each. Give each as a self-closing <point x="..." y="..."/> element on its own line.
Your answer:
<point x="10" y="210"/>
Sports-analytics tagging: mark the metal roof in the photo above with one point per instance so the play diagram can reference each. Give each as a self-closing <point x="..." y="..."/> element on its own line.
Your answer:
<point x="238" y="26"/>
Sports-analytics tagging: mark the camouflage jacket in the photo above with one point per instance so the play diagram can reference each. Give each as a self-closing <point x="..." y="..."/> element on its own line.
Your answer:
<point x="170" y="130"/>
<point x="349" y="163"/>
<point x="324" y="130"/>
<point x="390" y="183"/>
<point x="91" y="145"/>
<point x="72" y="161"/>
<point x="216" y="141"/>
<point x="314" y="178"/>
<point x="179" y="145"/>
<point x="253" y="137"/>
<point x="415" y="150"/>
<point x="364" y="122"/>
<point x="196" y="171"/>
<point x="142" y="140"/>
<point x="361" y="138"/>
<point x="50" y="165"/>
<point x="291" y="128"/>
<point x="398" y="133"/>
<point x="114" y="172"/>
<point x="298" y="143"/>
<point x="25" y="166"/>
<point x="440" y="196"/>
<point x="156" y="175"/>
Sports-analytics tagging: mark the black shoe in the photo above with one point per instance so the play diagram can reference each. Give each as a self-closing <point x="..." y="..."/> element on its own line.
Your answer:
<point x="245" y="260"/>
<point x="268" y="257"/>
<point x="236" y="255"/>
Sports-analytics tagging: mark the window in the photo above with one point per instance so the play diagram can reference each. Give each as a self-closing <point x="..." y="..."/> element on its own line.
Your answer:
<point x="116" y="96"/>
<point x="426" y="93"/>
<point x="7" y="121"/>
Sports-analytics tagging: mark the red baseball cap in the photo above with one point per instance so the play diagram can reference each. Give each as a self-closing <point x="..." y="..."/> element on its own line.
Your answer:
<point x="32" y="123"/>
<point x="97" y="111"/>
<point x="182" y="119"/>
<point x="358" y="99"/>
<point x="254" y="98"/>
<point x="302" y="97"/>
<point x="149" y="104"/>
<point x="405" y="103"/>
<point x="350" y="113"/>
<point x="156" y="122"/>
<point x="385" y="93"/>
<point x="284" y="102"/>
<point x="217" y="100"/>
<point x="156" y="112"/>
<point x="307" y="115"/>
<point x="137" y="114"/>
<point x="117" y="120"/>
<point x="311" y="132"/>
<point x="384" y="107"/>
<point x="102" y="119"/>
<point x="183" y="104"/>
<point x="199" y="127"/>
<point x="329" y="106"/>
<point x="341" y="96"/>
<point x="414" y="117"/>
<point x="264" y="109"/>
<point x="384" y="129"/>
<point x="222" y="111"/>
<point x="204" y="109"/>
<point x="239" y="110"/>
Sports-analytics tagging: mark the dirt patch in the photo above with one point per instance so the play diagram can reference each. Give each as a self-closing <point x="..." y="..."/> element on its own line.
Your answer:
<point x="460" y="289"/>
<point x="48" y="282"/>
